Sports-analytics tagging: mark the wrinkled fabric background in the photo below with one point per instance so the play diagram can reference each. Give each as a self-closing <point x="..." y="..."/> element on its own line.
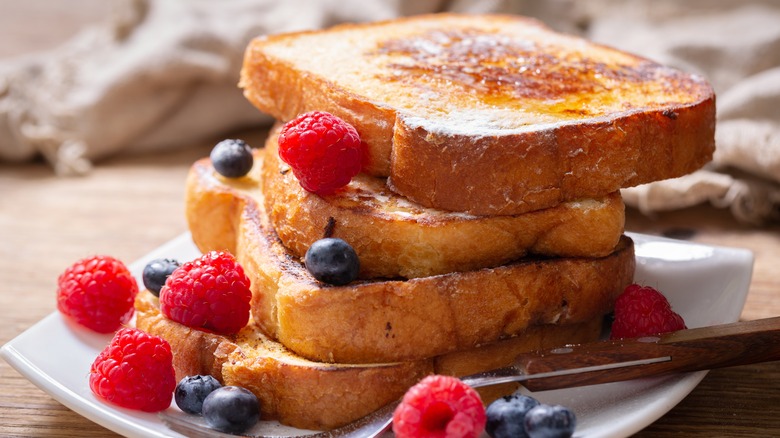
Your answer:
<point x="163" y="73"/>
<point x="736" y="45"/>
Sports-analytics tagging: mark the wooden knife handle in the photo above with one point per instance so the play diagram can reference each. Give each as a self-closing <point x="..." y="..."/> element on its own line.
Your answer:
<point x="696" y="349"/>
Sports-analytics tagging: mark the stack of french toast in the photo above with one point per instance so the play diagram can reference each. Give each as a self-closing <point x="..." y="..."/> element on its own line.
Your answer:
<point x="487" y="218"/>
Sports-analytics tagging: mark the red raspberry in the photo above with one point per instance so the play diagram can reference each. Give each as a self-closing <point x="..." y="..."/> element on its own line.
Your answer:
<point x="209" y="293"/>
<point x="440" y="406"/>
<point x="98" y="293"/>
<point x="135" y="371"/>
<point x="643" y="311"/>
<point x="323" y="151"/>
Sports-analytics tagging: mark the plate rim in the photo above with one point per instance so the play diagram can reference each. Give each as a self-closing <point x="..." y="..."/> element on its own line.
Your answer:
<point x="127" y="422"/>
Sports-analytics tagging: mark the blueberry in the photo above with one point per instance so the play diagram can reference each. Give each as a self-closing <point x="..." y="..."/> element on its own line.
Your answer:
<point x="505" y="416"/>
<point x="232" y="158"/>
<point x="192" y="390"/>
<point x="156" y="272"/>
<point x="333" y="261"/>
<point x="231" y="409"/>
<point x="550" y="421"/>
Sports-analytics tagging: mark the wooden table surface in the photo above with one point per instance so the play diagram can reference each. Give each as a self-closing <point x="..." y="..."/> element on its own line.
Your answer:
<point x="131" y="204"/>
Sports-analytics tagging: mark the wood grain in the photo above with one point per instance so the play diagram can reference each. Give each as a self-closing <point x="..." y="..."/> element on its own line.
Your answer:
<point x="131" y="204"/>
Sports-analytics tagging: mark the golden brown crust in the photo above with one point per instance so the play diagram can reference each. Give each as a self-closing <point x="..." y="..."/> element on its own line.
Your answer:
<point x="193" y="350"/>
<point x="489" y="114"/>
<point x="312" y="395"/>
<point x="388" y="321"/>
<point x="491" y="174"/>
<point x="394" y="237"/>
<point x="403" y="320"/>
<point x="285" y="92"/>
<point x="295" y="391"/>
<point x="321" y="396"/>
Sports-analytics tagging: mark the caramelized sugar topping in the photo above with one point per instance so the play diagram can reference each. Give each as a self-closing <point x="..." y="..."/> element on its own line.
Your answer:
<point x="503" y="69"/>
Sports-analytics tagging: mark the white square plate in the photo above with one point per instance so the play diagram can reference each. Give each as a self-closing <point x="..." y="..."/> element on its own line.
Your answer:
<point x="706" y="285"/>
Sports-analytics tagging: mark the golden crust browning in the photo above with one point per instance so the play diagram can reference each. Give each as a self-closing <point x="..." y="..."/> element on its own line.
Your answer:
<point x="488" y="219"/>
<point x="488" y="114"/>
<point x="396" y="320"/>
<point x="490" y="175"/>
<point x="295" y="391"/>
<point x="193" y="350"/>
<point x="403" y="320"/>
<point x="394" y="237"/>
<point x="313" y="395"/>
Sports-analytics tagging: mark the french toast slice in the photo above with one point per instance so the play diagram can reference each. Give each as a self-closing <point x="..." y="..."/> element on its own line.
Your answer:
<point x="489" y="114"/>
<point x="394" y="237"/>
<point x="314" y="395"/>
<point x="391" y="320"/>
<point x="291" y="389"/>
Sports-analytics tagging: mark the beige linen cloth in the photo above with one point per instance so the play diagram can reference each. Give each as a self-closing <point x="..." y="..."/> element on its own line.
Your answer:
<point x="736" y="45"/>
<point x="163" y="73"/>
